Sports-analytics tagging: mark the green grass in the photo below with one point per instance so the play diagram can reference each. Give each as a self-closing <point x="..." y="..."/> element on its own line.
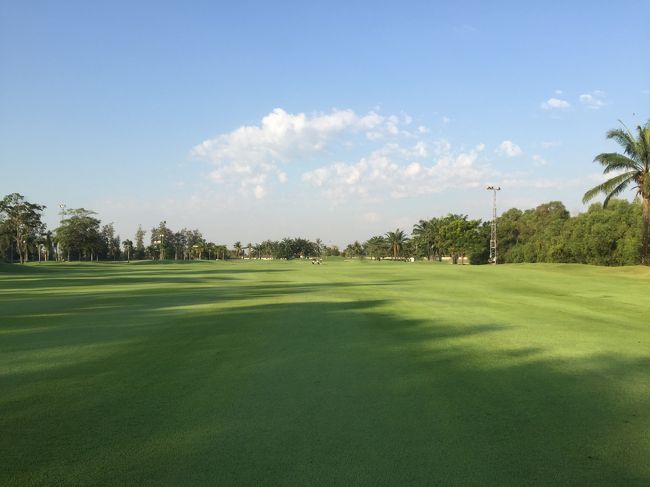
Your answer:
<point x="349" y="373"/>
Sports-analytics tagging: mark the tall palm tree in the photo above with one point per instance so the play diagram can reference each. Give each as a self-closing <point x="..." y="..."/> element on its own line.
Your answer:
<point x="635" y="167"/>
<point x="424" y="232"/>
<point x="238" y="249"/>
<point x="396" y="240"/>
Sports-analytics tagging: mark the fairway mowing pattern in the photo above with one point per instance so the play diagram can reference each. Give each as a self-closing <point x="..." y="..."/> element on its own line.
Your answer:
<point x="349" y="373"/>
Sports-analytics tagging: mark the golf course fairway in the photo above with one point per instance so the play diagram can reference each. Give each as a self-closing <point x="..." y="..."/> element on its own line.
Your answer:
<point x="346" y="373"/>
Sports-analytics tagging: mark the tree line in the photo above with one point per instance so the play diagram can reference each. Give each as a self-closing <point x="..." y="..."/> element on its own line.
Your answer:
<point x="610" y="235"/>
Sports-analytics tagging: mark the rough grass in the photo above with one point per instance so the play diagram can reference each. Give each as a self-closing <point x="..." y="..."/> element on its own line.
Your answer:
<point x="287" y="373"/>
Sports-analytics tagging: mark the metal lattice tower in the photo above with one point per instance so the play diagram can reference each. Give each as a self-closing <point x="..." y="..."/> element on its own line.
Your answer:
<point x="493" y="229"/>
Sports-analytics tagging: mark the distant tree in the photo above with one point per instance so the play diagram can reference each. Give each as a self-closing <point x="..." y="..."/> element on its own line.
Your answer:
<point x="480" y="252"/>
<point x="354" y="250"/>
<point x="376" y="247"/>
<point x="332" y="251"/>
<point x="221" y="252"/>
<point x="396" y="241"/>
<point x="635" y="167"/>
<point x="21" y="220"/>
<point x="424" y="235"/>
<point x="110" y="243"/>
<point x="46" y="244"/>
<point x="139" y="243"/>
<point x="238" y="249"/>
<point x="79" y="232"/>
<point x="211" y="249"/>
<point x="163" y="239"/>
<point x="451" y="230"/>
<point x="128" y="249"/>
<point x="257" y="251"/>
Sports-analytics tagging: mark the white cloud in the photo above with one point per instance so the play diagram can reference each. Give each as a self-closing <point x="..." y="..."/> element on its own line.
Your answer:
<point x="593" y="100"/>
<point x="509" y="148"/>
<point x="246" y="156"/>
<point x="555" y="103"/>
<point x="542" y="183"/>
<point x="388" y="174"/>
<point x="423" y="130"/>
<point x="317" y="177"/>
<point x="538" y="160"/>
<point x="558" y="92"/>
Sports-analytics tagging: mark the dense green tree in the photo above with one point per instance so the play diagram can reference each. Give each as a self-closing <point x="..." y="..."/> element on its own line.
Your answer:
<point x="139" y="243"/>
<point x="376" y="247"/>
<point x="480" y="253"/>
<point x="396" y="241"/>
<point x="109" y="243"/>
<point x="424" y="235"/>
<point x="128" y="249"/>
<point x="79" y="234"/>
<point x="21" y="221"/>
<point x="631" y="168"/>
<point x="354" y="250"/>
<point x="319" y="246"/>
<point x="238" y="249"/>
<point x="163" y="239"/>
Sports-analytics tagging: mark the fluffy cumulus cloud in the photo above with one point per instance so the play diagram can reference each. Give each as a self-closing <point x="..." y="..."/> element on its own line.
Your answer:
<point x="397" y="172"/>
<point x="343" y="155"/>
<point x="252" y="156"/>
<point x="509" y="149"/>
<point x="555" y="103"/>
<point x="593" y="100"/>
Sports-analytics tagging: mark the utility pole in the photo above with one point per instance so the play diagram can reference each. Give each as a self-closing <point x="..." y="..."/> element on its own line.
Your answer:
<point x="493" y="229"/>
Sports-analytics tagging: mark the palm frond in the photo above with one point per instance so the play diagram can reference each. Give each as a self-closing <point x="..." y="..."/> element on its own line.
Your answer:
<point x="610" y="185"/>
<point x="644" y="144"/>
<point x="615" y="192"/>
<point x="613" y="161"/>
<point x="627" y="141"/>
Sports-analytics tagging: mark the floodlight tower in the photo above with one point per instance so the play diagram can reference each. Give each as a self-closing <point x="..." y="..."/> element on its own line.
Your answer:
<point x="493" y="229"/>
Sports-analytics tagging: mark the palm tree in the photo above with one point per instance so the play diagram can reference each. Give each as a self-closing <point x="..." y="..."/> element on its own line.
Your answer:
<point x="128" y="248"/>
<point x="424" y="232"/>
<point x="238" y="249"/>
<point x="396" y="240"/>
<point x="635" y="164"/>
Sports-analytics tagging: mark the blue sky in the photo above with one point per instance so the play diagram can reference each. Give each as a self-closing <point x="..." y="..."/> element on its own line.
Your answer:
<point x="338" y="120"/>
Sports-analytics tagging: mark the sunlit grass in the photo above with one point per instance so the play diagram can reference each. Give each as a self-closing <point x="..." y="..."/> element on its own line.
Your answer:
<point x="347" y="373"/>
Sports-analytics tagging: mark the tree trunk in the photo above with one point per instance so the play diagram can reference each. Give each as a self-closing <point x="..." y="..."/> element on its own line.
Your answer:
<point x="644" y="236"/>
<point x="19" y="248"/>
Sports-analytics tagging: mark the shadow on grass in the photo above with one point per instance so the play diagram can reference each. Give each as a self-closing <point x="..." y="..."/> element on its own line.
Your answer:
<point x="315" y="393"/>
